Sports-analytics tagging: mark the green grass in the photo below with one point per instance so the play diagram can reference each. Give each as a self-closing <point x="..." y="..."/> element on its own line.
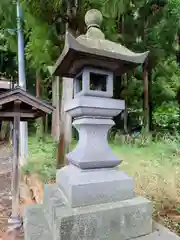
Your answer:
<point x="156" y="171"/>
<point x="155" y="167"/>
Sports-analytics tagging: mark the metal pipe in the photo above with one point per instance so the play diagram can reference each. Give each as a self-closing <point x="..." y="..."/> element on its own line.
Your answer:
<point x="21" y="83"/>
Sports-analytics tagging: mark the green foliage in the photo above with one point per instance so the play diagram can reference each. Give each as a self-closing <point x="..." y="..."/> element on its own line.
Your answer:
<point x="8" y="61"/>
<point x="8" y="23"/>
<point x="167" y="116"/>
<point x="42" y="158"/>
<point x="43" y="9"/>
<point x="38" y="47"/>
<point x="166" y="83"/>
<point x="178" y="209"/>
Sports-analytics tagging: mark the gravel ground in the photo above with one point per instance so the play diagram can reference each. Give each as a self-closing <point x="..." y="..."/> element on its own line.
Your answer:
<point x="5" y="192"/>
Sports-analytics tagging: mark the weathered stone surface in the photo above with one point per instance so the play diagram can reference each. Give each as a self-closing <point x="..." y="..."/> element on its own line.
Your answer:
<point x="117" y="220"/>
<point x="35" y="231"/>
<point x="53" y="198"/>
<point x="35" y="224"/>
<point x="89" y="187"/>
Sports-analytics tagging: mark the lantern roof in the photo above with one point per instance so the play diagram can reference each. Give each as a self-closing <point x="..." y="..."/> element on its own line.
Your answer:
<point x="92" y="49"/>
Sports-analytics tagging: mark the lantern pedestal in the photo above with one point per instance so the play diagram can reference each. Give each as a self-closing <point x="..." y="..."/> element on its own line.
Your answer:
<point x="115" y="220"/>
<point x="92" y="199"/>
<point x="93" y="119"/>
<point x="36" y="225"/>
<point x="93" y="150"/>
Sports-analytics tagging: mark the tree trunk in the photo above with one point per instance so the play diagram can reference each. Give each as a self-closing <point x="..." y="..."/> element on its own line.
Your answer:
<point x="178" y="62"/>
<point x="39" y="122"/>
<point x="150" y="100"/>
<point x="125" y="109"/>
<point x="146" y="99"/>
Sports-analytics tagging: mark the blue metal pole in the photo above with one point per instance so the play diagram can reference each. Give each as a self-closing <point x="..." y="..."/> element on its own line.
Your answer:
<point x="21" y="83"/>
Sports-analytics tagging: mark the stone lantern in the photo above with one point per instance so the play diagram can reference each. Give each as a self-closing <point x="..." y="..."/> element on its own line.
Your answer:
<point x="92" y="198"/>
<point x="93" y="61"/>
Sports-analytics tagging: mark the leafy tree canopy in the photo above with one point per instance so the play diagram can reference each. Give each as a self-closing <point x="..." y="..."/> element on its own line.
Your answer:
<point x="140" y="25"/>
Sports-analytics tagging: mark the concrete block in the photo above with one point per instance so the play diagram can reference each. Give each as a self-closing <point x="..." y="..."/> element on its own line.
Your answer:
<point x="90" y="187"/>
<point x="35" y="224"/>
<point x="111" y="221"/>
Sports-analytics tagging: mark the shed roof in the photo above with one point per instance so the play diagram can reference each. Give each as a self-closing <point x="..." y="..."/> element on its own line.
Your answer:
<point x="29" y="104"/>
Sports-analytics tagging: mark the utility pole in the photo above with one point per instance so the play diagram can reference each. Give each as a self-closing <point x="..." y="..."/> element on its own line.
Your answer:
<point x="20" y="136"/>
<point x="22" y="83"/>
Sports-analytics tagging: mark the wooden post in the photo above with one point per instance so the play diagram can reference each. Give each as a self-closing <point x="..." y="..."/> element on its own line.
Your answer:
<point x="56" y="113"/>
<point x="39" y="121"/>
<point x="66" y="122"/>
<point x="15" y="221"/>
<point x="38" y="86"/>
<point x="68" y="95"/>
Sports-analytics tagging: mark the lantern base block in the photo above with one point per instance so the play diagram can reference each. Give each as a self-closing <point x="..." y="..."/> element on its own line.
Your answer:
<point x="114" y="220"/>
<point x="94" y="186"/>
<point x="36" y="227"/>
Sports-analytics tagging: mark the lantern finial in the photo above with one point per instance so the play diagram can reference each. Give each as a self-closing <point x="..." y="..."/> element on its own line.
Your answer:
<point x="93" y="20"/>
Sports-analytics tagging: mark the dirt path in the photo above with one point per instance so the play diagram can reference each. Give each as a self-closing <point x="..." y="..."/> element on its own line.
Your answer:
<point x="5" y="189"/>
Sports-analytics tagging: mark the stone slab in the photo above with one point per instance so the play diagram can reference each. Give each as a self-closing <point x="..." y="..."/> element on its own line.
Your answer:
<point x="90" y="187"/>
<point x="159" y="233"/>
<point x="116" y="220"/>
<point x="35" y="224"/>
<point x="94" y="106"/>
<point x="37" y="228"/>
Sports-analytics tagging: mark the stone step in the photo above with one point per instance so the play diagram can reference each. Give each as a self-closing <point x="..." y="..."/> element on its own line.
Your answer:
<point x="159" y="233"/>
<point x="35" y="224"/>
